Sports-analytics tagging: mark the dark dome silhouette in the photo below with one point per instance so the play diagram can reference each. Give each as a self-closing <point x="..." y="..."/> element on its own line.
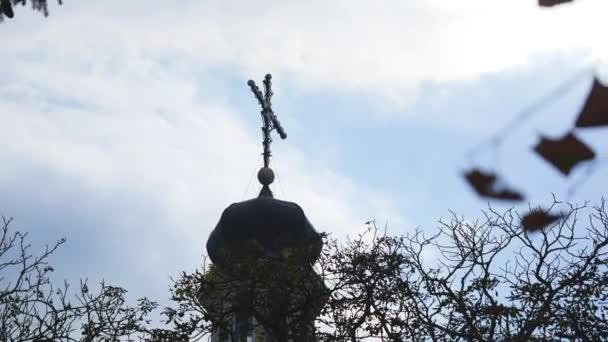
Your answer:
<point x="265" y="248"/>
<point x="262" y="226"/>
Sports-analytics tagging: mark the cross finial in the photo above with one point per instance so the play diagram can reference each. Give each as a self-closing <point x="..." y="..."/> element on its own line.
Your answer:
<point x="268" y="117"/>
<point x="266" y="176"/>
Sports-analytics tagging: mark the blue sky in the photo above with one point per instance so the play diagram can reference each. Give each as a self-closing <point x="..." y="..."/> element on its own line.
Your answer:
<point x="127" y="127"/>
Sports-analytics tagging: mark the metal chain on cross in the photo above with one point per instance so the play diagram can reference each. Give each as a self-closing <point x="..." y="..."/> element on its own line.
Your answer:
<point x="266" y="175"/>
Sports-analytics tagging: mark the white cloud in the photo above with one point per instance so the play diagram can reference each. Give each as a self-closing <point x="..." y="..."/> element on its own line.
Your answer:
<point x="365" y="47"/>
<point x="142" y="145"/>
<point x="122" y="98"/>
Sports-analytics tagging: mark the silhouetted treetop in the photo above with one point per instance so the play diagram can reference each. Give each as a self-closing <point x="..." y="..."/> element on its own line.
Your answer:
<point x="7" y="7"/>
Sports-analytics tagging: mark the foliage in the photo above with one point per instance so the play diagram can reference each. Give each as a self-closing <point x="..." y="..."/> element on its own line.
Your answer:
<point x="33" y="309"/>
<point x="280" y="292"/>
<point x="475" y="281"/>
<point x="7" y="7"/>
<point x="368" y="278"/>
<point x="486" y="280"/>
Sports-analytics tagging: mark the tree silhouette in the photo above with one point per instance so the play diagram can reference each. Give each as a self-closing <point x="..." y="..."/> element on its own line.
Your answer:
<point x="7" y="7"/>
<point x="485" y="280"/>
<point x="281" y="294"/>
<point x="489" y="280"/>
<point x="33" y="309"/>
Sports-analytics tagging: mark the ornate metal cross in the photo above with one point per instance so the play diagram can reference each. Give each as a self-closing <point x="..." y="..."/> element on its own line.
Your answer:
<point x="269" y="118"/>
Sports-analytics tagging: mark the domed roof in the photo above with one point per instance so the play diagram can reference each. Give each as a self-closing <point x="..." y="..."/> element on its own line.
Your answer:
<point x="262" y="226"/>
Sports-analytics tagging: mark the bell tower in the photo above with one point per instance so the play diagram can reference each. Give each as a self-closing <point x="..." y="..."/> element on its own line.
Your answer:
<point x="262" y="285"/>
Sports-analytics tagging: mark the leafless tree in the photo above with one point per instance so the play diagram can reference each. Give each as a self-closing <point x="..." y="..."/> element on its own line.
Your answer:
<point x="483" y="280"/>
<point x="7" y="7"/>
<point x="493" y="281"/>
<point x="486" y="280"/>
<point x="278" y="292"/>
<point x="368" y="281"/>
<point x="33" y="309"/>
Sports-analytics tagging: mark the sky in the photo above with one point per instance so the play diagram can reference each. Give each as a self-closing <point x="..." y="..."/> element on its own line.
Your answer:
<point x="127" y="126"/>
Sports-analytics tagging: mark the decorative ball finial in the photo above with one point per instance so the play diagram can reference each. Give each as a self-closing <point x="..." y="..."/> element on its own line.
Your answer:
<point x="266" y="176"/>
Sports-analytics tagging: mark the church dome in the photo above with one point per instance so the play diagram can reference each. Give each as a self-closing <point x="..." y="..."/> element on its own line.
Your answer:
<point x="262" y="226"/>
<point x="263" y="251"/>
